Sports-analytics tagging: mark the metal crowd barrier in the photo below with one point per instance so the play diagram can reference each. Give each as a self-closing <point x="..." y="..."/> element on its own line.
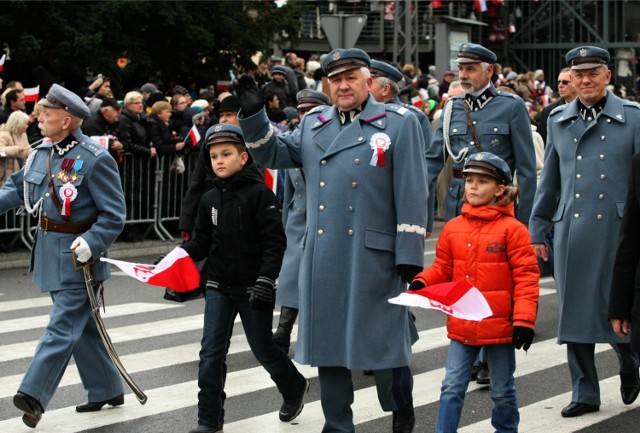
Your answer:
<point x="153" y="193"/>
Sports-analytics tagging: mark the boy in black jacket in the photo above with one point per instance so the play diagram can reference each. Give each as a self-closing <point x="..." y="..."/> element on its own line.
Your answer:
<point x="239" y="230"/>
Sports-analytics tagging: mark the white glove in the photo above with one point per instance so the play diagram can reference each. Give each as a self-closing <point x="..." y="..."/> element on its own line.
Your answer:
<point x="82" y="250"/>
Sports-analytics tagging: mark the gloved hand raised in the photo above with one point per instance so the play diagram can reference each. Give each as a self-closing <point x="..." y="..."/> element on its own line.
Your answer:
<point x="262" y="296"/>
<point x="82" y="250"/>
<point x="251" y="100"/>
<point x="408" y="272"/>
<point x="522" y="337"/>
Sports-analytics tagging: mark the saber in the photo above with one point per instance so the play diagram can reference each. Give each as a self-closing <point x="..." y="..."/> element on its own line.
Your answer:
<point x="95" y="309"/>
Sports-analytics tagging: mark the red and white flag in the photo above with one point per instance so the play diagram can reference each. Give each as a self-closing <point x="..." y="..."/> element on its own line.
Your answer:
<point x="417" y="101"/>
<point x="458" y="299"/>
<point x="271" y="179"/>
<point x="4" y="56"/>
<point x="176" y="271"/>
<point x="32" y="94"/>
<point x="481" y="5"/>
<point x="194" y="135"/>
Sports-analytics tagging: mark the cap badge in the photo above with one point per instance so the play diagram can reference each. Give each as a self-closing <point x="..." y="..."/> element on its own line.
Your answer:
<point x="465" y="47"/>
<point x="583" y="52"/>
<point x="336" y="56"/>
<point x="217" y="128"/>
<point x="479" y="156"/>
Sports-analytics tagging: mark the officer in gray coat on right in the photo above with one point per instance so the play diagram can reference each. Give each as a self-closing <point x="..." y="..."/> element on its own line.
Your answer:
<point x="582" y="190"/>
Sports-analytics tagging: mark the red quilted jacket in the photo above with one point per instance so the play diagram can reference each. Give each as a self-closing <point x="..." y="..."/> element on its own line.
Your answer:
<point x="492" y="250"/>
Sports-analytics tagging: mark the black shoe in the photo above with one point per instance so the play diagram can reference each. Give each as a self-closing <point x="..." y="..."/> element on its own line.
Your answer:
<point x="30" y="406"/>
<point x="94" y="407"/>
<point x="577" y="409"/>
<point x="282" y="336"/>
<point x="367" y="372"/>
<point x="629" y="386"/>
<point x="404" y="419"/>
<point x="291" y="409"/>
<point x="483" y="377"/>
<point x="474" y="372"/>
<point x="206" y="429"/>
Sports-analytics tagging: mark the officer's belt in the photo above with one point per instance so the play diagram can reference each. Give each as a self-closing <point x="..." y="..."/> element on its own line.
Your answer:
<point x="52" y="226"/>
<point x="457" y="173"/>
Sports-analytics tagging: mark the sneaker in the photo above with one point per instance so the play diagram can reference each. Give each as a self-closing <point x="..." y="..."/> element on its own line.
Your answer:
<point x="206" y="429"/>
<point x="291" y="409"/>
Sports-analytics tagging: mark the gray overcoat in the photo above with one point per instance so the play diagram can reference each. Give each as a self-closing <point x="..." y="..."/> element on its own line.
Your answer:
<point x="581" y="194"/>
<point x="363" y="218"/>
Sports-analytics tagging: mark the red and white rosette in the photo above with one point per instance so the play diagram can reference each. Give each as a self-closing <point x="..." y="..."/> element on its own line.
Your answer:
<point x="68" y="193"/>
<point x="379" y="142"/>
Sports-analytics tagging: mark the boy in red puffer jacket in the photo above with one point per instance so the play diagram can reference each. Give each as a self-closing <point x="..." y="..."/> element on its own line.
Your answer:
<point x="490" y="249"/>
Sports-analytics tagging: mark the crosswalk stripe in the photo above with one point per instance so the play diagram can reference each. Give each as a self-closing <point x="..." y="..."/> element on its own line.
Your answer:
<point x="23" y="304"/>
<point x="35" y="322"/>
<point x="543" y="355"/>
<point x="544" y="416"/>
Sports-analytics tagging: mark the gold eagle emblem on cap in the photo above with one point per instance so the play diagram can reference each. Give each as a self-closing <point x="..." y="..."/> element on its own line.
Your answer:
<point x="583" y="52"/>
<point x="218" y="128"/>
<point x="336" y="56"/>
<point x="479" y="157"/>
<point x="465" y="47"/>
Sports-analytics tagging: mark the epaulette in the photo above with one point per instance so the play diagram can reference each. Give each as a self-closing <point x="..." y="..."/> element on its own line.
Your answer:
<point x="558" y="109"/>
<point x="317" y="109"/>
<point x="629" y="103"/>
<point x="509" y="94"/>
<point x="92" y="147"/>
<point x="395" y="108"/>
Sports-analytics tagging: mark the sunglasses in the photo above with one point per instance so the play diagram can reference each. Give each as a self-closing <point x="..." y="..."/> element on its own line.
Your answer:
<point x="565" y="82"/>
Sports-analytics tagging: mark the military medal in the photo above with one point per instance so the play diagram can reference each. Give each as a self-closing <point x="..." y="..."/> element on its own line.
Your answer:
<point x="379" y="142"/>
<point x="68" y="193"/>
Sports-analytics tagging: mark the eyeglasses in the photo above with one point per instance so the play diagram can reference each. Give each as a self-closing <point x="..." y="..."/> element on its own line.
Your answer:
<point x="564" y="82"/>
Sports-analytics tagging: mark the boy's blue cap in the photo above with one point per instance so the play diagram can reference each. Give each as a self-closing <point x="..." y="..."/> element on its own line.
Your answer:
<point x="475" y="53"/>
<point x="382" y="69"/>
<point x="279" y="70"/>
<point x="223" y="133"/>
<point x="59" y="97"/>
<point x="587" y="57"/>
<point x="341" y="60"/>
<point x="311" y="98"/>
<point x="489" y="164"/>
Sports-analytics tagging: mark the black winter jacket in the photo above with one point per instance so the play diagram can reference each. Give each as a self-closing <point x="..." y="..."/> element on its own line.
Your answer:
<point x="239" y="230"/>
<point x="132" y="133"/>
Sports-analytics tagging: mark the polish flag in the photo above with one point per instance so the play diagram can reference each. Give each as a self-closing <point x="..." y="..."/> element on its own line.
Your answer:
<point x="176" y="271"/>
<point x="481" y="5"/>
<point x="417" y="101"/>
<point x="32" y="94"/>
<point x="458" y="299"/>
<point x="4" y="56"/>
<point x="271" y="179"/>
<point x="194" y="135"/>
<point x="512" y="28"/>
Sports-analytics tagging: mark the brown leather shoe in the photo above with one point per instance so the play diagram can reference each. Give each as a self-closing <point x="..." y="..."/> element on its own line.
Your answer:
<point x="94" y="407"/>
<point x="30" y="406"/>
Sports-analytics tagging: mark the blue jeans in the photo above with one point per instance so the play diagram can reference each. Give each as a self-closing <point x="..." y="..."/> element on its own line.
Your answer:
<point x="219" y="313"/>
<point x="502" y="364"/>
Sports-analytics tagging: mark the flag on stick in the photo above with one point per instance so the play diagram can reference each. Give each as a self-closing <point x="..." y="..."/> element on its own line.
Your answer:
<point x="32" y="94"/>
<point x="194" y="135"/>
<point x="2" y="59"/>
<point x="458" y="299"/>
<point x="176" y="271"/>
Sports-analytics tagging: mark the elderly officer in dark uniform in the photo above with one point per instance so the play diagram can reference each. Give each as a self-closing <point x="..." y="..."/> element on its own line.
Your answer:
<point x="72" y="185"/>
<point x="294" y="218"/>
<point x="482" y="120"/>
<point x="581" y="195"/>
<point x="366" y="210"/>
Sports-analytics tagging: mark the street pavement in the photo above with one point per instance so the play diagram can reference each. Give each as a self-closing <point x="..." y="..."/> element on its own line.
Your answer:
<point x="158" y="342"/>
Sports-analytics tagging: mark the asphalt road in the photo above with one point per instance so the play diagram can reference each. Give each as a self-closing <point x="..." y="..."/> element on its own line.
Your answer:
<point x="158" y="342"/>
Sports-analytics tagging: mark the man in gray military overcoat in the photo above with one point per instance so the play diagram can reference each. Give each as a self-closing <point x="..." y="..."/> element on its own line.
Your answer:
<point x="72" y="185"/>
<point x="584" y="182"/>
<point x="366" y="213"/>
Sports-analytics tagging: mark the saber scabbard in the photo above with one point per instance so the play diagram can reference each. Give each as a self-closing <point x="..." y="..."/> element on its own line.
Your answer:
<point x="95" y="309"/>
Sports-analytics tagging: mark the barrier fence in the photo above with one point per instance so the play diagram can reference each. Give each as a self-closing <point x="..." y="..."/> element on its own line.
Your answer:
<point x="153" y="190"/>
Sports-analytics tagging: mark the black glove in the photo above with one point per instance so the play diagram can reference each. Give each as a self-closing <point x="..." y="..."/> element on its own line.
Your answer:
<point x="408" y="272"/>
<point x="416" y="285"/>
<point x="262" y="296"/>
<point x="522" y="337"/>
<point x="251" y="100"/>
